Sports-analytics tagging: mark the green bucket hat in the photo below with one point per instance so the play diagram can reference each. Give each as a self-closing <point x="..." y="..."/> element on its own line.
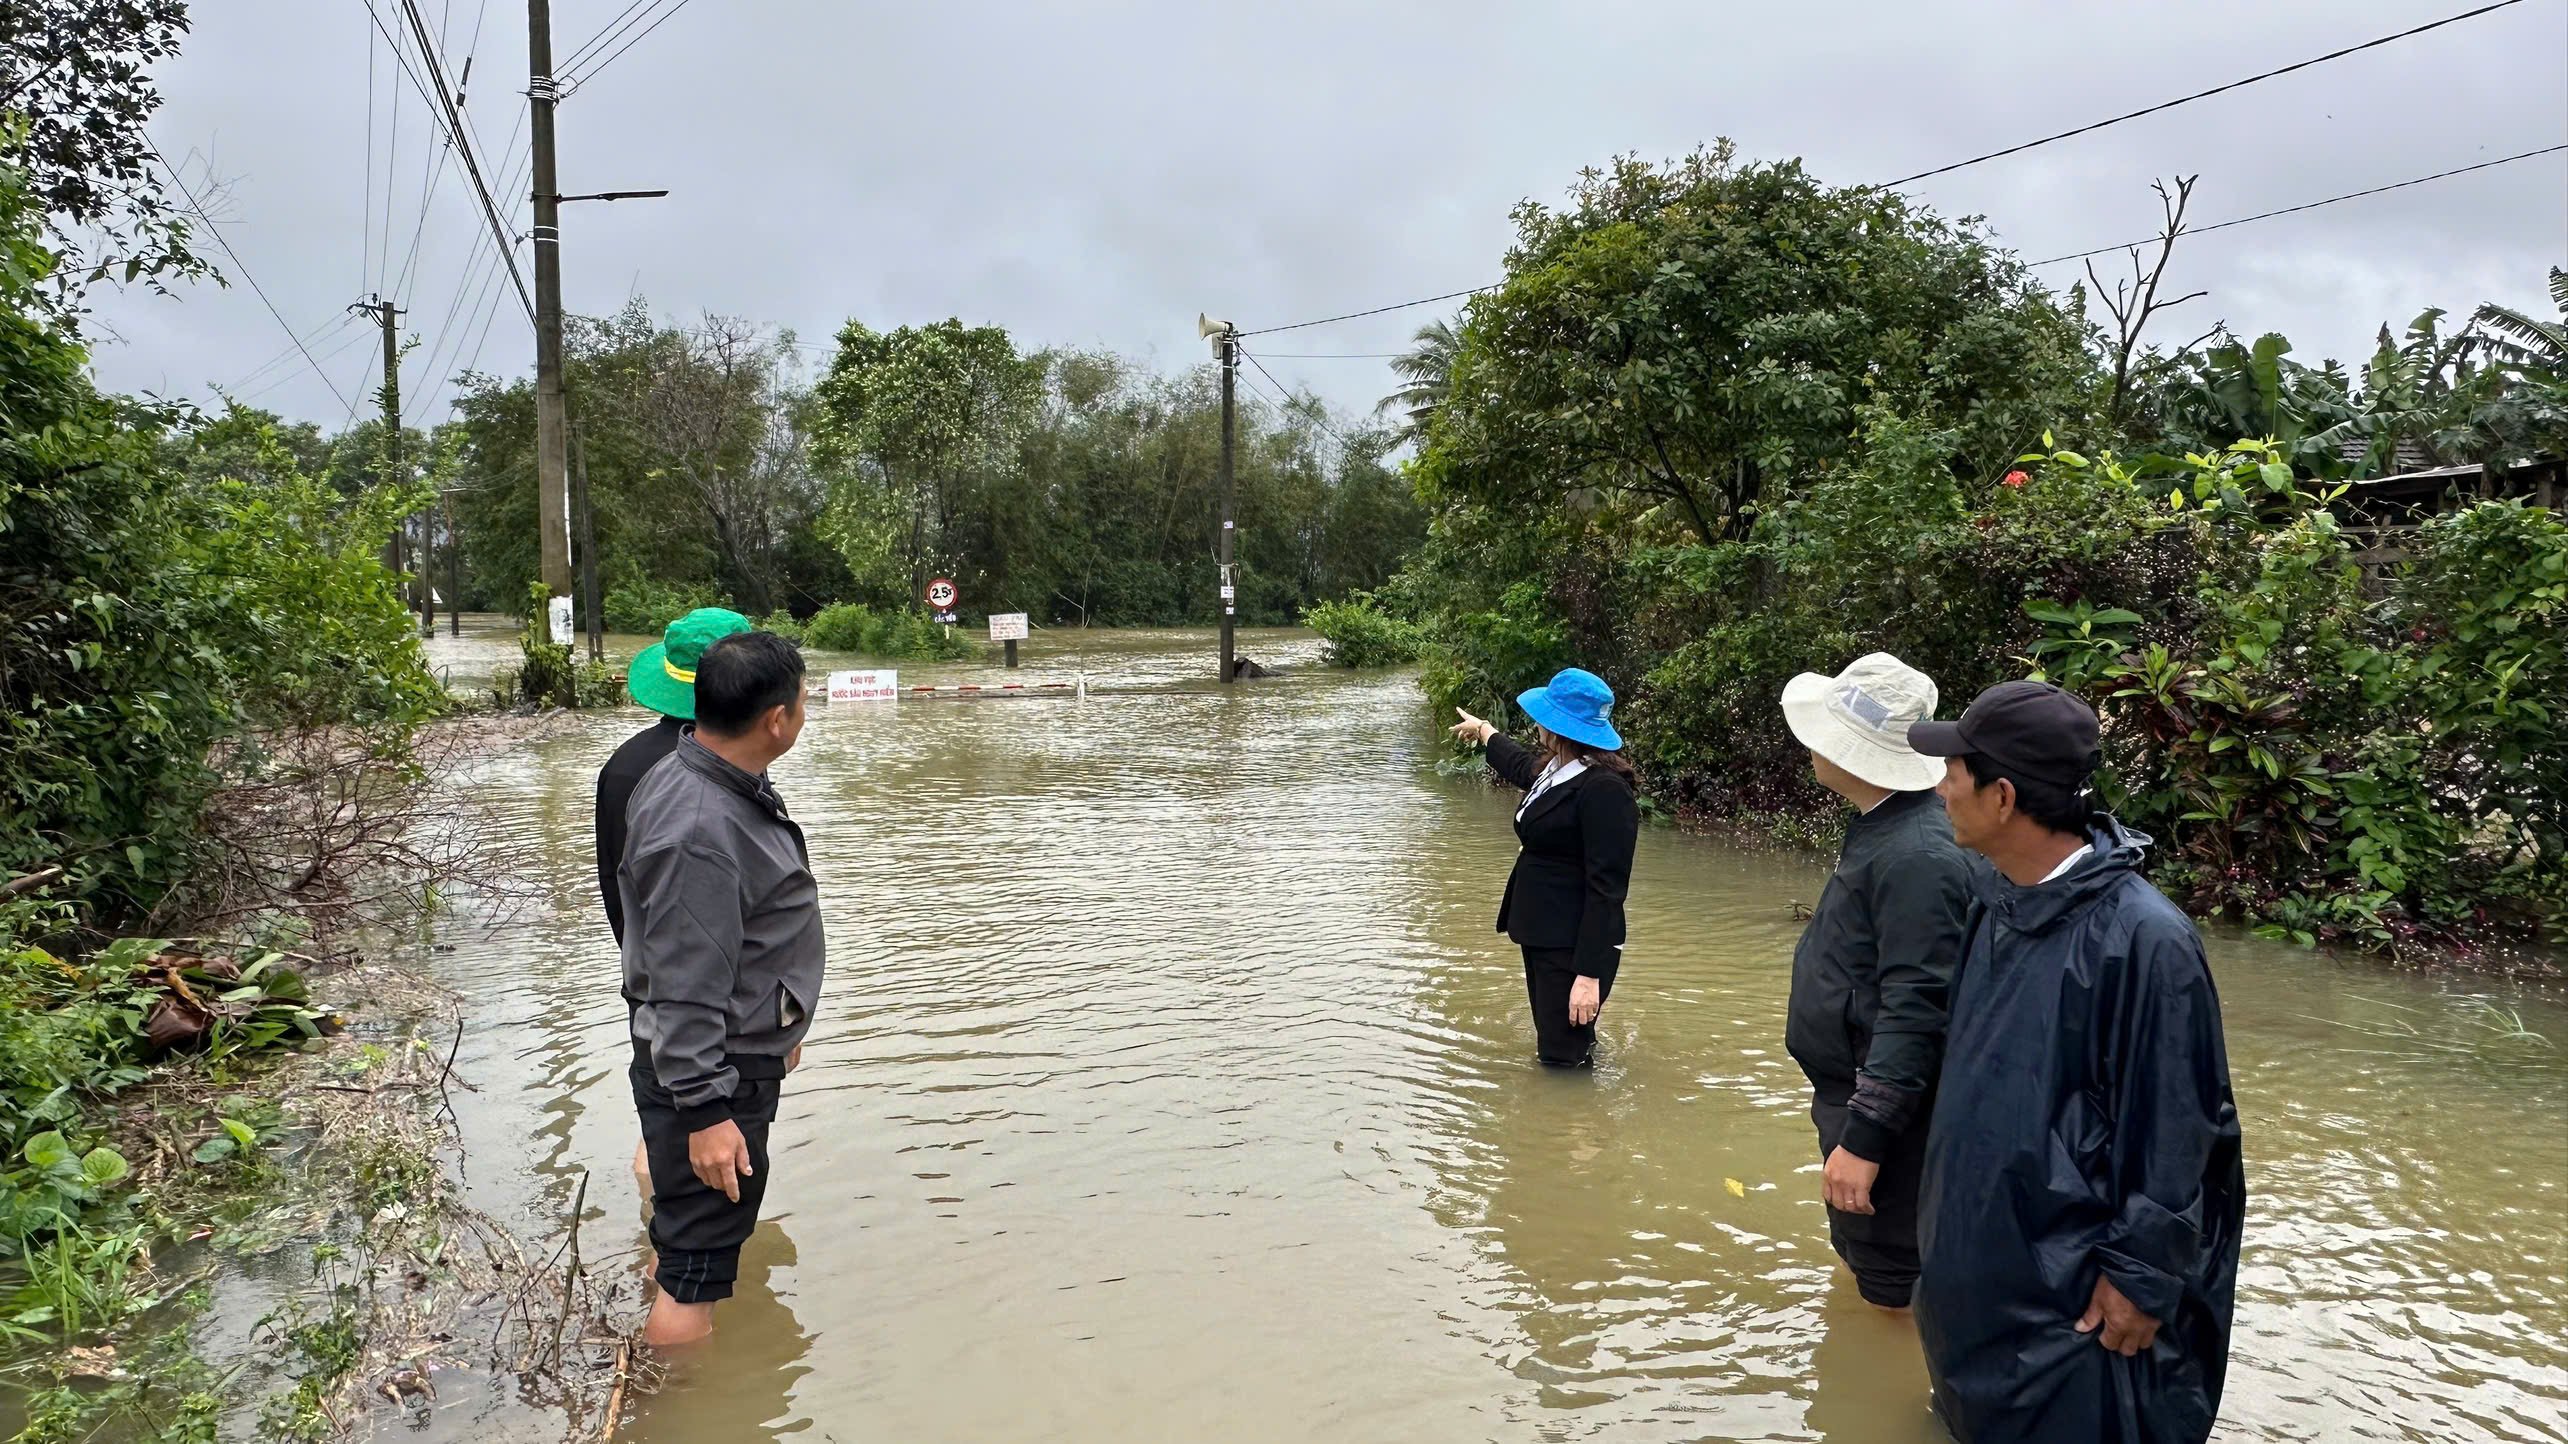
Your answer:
<point x="662" y="678"/>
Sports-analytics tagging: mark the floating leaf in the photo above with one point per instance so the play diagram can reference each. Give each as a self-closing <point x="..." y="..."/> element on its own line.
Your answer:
<point x="1737" y="1189"/>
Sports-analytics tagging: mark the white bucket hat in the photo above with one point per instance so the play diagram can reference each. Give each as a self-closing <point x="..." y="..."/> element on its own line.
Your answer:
<point x="1859" y="720"/>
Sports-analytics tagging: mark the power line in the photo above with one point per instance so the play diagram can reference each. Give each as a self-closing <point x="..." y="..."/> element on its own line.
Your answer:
<point x="1376" y="311"/>
<point x="589" y="74"/>
<point x="280" y="379"/>
<point x="456" y="132"/>
<point x="605" y="33"/>
<point x="198" y="210"/>
<point x="2307" y="205"/>
<point x="2207" y="94"/>
<point x="365" y="208"/>
<point x="1992" y="155"/>
<point x="1316" y="413"/>
<point x="310" y="337"/>
<point x="391" y="170"/>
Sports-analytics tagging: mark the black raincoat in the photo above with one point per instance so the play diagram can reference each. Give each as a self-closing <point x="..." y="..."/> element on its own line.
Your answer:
<point x="2083" y="1126"/>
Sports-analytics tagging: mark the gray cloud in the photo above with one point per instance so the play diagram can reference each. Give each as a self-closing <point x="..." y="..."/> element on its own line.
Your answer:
<point x="1096" y="174"/>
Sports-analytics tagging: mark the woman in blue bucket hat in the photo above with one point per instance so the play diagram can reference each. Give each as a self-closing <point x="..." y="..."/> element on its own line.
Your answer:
<point x="1577" y="827"/>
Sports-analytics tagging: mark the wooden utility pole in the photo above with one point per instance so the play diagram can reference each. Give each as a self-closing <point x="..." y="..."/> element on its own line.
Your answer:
<point x="387" y="315"/>
<point x="552" y="455"/>
<point x="1230" y="587"/>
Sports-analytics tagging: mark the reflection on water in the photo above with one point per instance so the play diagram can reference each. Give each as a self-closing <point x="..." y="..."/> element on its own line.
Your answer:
<point x="1170" y="1084"/>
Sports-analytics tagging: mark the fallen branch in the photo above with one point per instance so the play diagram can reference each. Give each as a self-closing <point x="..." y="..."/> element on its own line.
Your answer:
<point x="29" y="882"/>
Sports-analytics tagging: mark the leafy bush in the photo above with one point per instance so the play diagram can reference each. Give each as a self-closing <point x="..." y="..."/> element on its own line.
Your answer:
<point x="643" y="607"/>
<point x="783" y="624"/>
<point x="909" y="636"/>
<point x="1361" y="634"/>
<point x="147" y="618"/>
<point x="2321" y="762"/>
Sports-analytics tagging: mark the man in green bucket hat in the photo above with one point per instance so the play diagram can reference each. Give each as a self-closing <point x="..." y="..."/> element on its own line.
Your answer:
<point x="662" y="678"/>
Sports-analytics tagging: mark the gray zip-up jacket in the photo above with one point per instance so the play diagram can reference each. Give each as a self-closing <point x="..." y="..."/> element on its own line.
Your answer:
<point x="722" y="937"/>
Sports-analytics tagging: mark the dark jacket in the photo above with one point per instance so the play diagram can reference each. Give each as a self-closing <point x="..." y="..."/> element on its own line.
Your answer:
<point x="1568" y="885"/>
<point x="722" y="941"/>
<point x="2083" y="1125"/>
<point x="615" y="783"/>
<point x="1869" y="978"/>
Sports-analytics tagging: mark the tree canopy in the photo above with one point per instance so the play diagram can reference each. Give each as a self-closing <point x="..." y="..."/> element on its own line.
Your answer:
<point x="1692" y="335"/>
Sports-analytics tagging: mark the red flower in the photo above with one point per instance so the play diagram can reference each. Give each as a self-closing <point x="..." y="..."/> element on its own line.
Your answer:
<point x="2015" y="478"/>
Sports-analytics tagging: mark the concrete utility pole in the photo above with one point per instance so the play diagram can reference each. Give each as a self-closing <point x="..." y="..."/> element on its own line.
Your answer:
<point x="596" y="625"/>
<point x="387" y="315"/>
<point x="454" y="571"/>
<point x="552" y="449"/>
<point x="1231" y="607"/>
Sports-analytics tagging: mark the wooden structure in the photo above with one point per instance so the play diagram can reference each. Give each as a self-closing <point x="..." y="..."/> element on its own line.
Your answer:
<point x="2381" y="513"/>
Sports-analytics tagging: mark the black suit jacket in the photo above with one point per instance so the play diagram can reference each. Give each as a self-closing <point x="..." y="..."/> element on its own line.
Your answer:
<point x="1569" y="882"/>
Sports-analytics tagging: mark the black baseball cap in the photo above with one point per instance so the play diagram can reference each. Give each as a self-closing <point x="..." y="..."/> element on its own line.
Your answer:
<point x="2030" y="729"/>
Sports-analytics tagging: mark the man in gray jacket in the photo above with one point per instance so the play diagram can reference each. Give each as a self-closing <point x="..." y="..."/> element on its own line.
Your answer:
<point x="722" y="961"/>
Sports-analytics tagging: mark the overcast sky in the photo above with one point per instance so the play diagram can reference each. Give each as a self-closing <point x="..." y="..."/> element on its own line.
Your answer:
<point x="1095" y="174"/>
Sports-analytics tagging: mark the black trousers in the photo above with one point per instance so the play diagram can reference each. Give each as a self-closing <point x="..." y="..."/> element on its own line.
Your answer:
<point x="1880" y="1247"/>
<point x="1549" y="974"/>
<point x="696" y="1229"/>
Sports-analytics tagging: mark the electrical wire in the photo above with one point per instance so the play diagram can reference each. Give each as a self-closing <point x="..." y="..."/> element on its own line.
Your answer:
<point x="2207" y="94"/>
<point x="216" y="232"/>
<point x="2307" y="205"/>
<point x="1376" y="311"/>
<point x="589" y="74"/>
<point x="312" y="337"/>
<point x="1315" y="412"/>
<point x="365" y="208"/>
<point x="334" y="351"/>
<point x="1995" y="154"/>
<point x="605" y="33"/>
<point x="453" y="125"/>
<point x="391" y="168"/>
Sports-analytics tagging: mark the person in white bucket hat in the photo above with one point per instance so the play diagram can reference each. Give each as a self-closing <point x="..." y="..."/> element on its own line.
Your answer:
<point x="1873" y="968"/>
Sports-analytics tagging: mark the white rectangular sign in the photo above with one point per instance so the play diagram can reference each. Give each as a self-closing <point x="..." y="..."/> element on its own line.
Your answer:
<point x="1007" y="627"/>
<point x="864" y="686"/>
<point x="558" y="620"/>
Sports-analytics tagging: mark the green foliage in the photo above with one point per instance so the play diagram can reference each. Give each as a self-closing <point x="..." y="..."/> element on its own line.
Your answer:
<point x="74" y="1032"/>
<point x="1361" y="634"/>
<point x="149" y="617"/>
<point x="550" y="674"/>
<point x="783" y="624"/>
<point x="1687" y="342"/>
<point x="906" y="636"/>
<point x="643" y="607"/>
<point x="2329" y="762"/>
<point x="79" y="81"/>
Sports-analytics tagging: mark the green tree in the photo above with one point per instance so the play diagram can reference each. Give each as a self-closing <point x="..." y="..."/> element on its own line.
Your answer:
<point x="77" y="74"/>
<point x="1692" y="336"/>
<point x="153" y="613"/>
<point x="1426" y="374"/>
<point x="924" y="424"/>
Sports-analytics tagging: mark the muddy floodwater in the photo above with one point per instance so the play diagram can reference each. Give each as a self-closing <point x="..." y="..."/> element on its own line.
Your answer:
<point x="1170" y="1084"/>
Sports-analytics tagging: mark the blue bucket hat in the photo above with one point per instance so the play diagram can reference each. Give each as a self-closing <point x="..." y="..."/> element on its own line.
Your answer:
<point x="1576" y="705"/>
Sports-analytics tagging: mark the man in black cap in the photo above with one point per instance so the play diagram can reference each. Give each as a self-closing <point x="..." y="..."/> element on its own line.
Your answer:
<point x="2083" y="1190"/>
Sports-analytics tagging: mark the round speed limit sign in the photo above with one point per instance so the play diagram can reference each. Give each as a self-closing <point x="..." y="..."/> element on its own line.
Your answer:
<point x="942" y="594"/>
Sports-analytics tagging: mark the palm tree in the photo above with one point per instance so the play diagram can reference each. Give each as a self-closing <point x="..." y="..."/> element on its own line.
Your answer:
<point x="1426" y="374"/>
<point x="2523" y="342"/>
